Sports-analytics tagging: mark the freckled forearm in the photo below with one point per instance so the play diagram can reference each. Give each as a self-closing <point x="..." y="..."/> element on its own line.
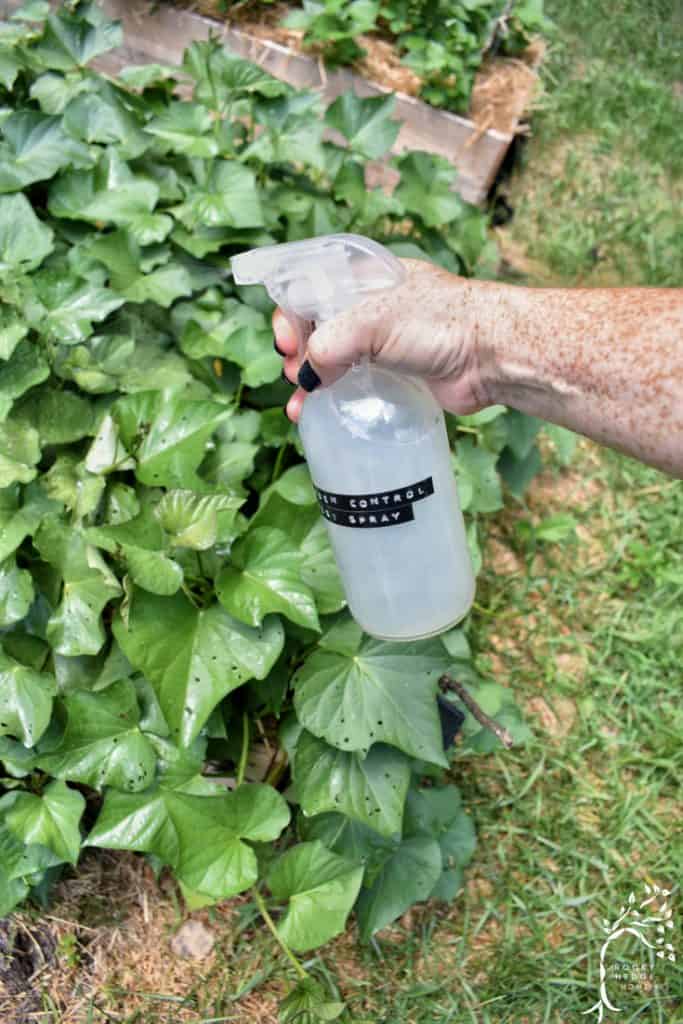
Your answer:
<point x="607" y="363"/>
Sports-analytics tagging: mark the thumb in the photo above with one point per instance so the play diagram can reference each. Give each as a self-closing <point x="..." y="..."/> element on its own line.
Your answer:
<point x="335" y="345"/>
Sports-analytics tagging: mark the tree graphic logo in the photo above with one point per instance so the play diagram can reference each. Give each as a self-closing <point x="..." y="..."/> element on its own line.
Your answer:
<point x="649" y="922"/>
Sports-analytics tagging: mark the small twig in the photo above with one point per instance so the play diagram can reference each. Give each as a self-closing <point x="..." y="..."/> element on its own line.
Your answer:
<point x="500" y="21"/>
<point x="448" y="683"/>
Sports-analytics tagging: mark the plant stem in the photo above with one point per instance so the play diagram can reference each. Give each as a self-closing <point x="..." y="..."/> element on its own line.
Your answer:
<point x="448" y="683"/>
<point x="277" y="468"/>
<point x="242" y="766"/>
<point x="263" y="910"/>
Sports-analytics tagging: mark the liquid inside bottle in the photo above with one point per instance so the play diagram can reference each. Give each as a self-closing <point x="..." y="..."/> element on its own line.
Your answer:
<point x="377" y="449"/>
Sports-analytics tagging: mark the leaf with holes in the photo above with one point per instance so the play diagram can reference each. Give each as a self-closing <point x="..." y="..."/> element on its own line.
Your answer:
<point x="167" y="435"/>
<point x="374" y="692"/>
<point x="193" y="657"/>
<point x="370" y="789"/>
<point x="102" y="744"/>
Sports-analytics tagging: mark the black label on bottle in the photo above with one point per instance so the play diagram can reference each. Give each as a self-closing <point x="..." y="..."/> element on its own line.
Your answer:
<point x="368" y="511"/>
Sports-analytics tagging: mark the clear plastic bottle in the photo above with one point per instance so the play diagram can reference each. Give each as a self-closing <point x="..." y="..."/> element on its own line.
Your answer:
<point x="376" y="445"/>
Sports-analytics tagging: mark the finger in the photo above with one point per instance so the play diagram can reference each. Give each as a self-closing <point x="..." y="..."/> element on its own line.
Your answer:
<point x="295" y="404"/>
<point x="291" y="368"/>
<point x="285" y="335"/>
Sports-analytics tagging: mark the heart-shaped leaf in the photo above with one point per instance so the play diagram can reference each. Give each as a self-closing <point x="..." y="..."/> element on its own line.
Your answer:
<point x="320" y="889"/>
<point x="194" y="658"/>
<point x="381" y="693"/>
<point x="49" y="820"/>
<point x="16" y="592"/>
<point x="25" y="701"/>
<point x="264" y="576"/>
<point x="199" y="835"/>
<point x="102" y="744"/>
<point x="370" y="789"/>
<point x="366" y="124"/>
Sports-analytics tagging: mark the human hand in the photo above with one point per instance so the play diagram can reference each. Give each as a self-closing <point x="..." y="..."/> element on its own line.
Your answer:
<point x="430" y="327"/>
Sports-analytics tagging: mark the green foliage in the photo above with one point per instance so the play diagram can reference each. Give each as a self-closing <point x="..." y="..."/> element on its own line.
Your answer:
<point x="443" y="42"/>
<point x="165" y="574"/>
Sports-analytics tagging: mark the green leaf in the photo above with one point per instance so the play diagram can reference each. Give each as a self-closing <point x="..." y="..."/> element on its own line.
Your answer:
<point x="16" y="592"/>
<point x="49" y="820"/>
<point x="228" y="197"/>
<point x="167" y="435"/>
<point x="291" y="132"/>
<point x="35" y="148"/>
<point x="477" y="477"/>
<point x="102" y="744"/>
<point x="264" y="576"/>
<point x="320" y="888"/>
<point x="25" y="701"/>
<point x="24" y="240"/>
<point x="382" y="693"/>
<point x="408" y="875"/>
<point x="519" y="472"/>
<point x="221" y="77"/>
<point x="69" y="306"/>
<point x="59" y="416"/>
<point x="110" y="193"/>
<point x="24" y="370"/>
<point x="106" y="454"/>
<point x="371" y="790"/>
<point x="426" y="187"/>
<point x="143" y="76"/>
<point x="16" y="523"/>
<point x="71" y="40"/>
<point x="19" y="453"/>
<point x="564" y="442"/>
<point x="305" y="528"/>
<point x="102" y="117"/>
<point x="521" y="432"/>
<point x="141" y="542"/>
<point x="437" y="813"/>
<point x="195" y="521"/>
<point x="187" y="129"/>
<point x="200" y="836"/>
<point x="12" y="330"/>
<point x="68" y="482"/>
<point x="75" y="626"/>
<point x="194" y="658"/>
<point x="366" y="124"/>
<point x="309" y="1003"/>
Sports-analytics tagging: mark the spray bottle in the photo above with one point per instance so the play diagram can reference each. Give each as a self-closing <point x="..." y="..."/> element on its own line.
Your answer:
<point x="376" y="446"/>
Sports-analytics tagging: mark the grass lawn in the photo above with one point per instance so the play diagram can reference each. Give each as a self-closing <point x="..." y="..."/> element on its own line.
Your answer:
<point x="588" y="633"/>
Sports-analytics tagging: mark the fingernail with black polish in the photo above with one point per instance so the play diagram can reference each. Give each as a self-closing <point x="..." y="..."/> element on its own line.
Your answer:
<point x="278" y="350"/>
<point x="308" y="378"/>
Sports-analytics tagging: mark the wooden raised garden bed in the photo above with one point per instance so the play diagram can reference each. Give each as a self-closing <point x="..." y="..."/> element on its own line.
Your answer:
<point x="160" y="33"/>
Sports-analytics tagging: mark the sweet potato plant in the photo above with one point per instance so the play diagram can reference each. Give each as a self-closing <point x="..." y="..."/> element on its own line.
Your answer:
<point x="171" y="619"/>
